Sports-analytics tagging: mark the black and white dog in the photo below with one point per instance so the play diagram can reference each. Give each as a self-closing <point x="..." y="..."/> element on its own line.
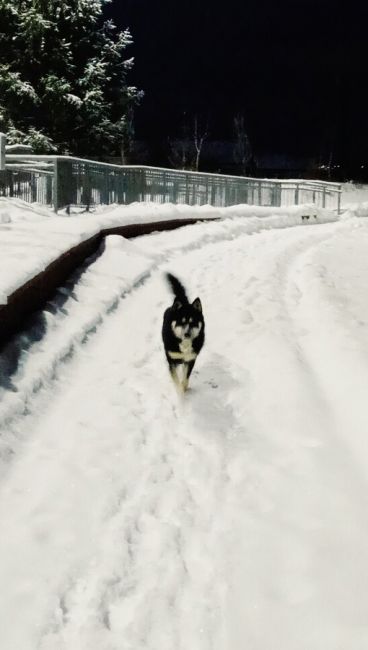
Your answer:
<point x="182" y="333"/>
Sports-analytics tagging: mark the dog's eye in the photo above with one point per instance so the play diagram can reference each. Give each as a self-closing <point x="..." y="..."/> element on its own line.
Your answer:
<point x="183" y="320"/>
<point x="191" y="320"/>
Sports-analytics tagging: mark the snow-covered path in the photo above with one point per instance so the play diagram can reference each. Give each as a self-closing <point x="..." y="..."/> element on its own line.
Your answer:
<point x="232" y="518"/>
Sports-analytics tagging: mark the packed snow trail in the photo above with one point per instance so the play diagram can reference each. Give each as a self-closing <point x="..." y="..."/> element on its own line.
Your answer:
<point x="233" y="518"/>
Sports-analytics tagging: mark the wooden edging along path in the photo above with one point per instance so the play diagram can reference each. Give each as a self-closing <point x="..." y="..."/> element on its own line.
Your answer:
<point x="33" y="295"/>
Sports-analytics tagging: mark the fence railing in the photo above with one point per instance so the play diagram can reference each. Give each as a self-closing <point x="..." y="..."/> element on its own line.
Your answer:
<point x="63" y="181"/>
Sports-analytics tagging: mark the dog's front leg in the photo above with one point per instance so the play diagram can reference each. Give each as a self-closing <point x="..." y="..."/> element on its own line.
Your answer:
<point x="187" y="371"/>
<point x="174" y="374"/>
<point x="185" y="377"/>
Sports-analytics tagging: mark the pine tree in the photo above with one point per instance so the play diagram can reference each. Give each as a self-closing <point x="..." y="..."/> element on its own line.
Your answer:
<point x="63" y="77"/>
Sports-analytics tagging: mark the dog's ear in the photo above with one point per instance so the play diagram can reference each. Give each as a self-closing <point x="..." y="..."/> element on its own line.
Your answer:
<point x="177" y="304"/>
<point x="197" y="304"/>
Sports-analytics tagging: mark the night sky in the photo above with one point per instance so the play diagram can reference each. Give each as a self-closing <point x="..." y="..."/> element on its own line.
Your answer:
<point x="296" y="69"/>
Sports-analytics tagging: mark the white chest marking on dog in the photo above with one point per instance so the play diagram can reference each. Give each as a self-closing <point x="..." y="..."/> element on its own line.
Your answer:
<point x="186" y="346"/>
<point x="185" y="355"/>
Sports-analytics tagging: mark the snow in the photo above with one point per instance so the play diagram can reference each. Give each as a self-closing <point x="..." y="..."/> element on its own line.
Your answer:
<point x="32" y="238"/>
<point x="232" y="518"/>
<point x="354" y="200"/>
<point x="353" y="195"/>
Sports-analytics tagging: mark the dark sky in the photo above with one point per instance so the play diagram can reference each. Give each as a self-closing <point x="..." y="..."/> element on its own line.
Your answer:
<point x="297" y="70"/>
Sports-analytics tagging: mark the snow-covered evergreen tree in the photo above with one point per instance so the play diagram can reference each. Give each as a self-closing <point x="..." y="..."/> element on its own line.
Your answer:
<point x="63" y="77"/>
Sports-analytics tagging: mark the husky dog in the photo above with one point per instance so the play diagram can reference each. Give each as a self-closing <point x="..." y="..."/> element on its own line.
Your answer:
<point x="182" y="333"/>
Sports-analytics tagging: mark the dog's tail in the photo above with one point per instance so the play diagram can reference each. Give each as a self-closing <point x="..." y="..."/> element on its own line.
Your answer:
<point x="177" y="288"/>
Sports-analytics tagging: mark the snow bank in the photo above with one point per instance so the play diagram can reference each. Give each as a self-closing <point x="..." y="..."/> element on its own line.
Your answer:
<point x="67" y="321"/>
<point x="79" y="308"/>
<point x="32" y="237"/>
<point x="356" y="211"/>
<point x="353" y="194"/>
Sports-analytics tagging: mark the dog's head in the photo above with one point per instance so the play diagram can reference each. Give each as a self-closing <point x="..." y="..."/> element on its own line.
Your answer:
<point x="187" y="320"/>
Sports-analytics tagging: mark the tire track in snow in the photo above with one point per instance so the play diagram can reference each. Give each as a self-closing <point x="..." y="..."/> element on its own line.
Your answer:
<point x="160" y="541"/>
<point x="337" y="344"/>
<point x="292" y="557"/>
<point x="194" y="237"/>
<point x="142" y="567"/>
<point x="173" y="514"/>
<point x="62" y="332"/>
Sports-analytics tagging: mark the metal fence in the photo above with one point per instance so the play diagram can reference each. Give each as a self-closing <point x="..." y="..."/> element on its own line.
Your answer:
<point x="63" y="181"/>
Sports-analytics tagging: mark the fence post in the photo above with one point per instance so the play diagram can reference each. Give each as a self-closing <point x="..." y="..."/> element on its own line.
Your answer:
<point x="186" y="190"/>
<point x="276" y="196"/>
<point x="49" y="189"/>
<point x="244" y="194"/>
<point x="324" y="197"/>
<point x="165" y="197"/>
<point x="86" y="195"/>
<point x="143" y="177"/>
<point x="3" y="174"/>
<point x="55" y="185"/>
<point x="104" y="189"/>
<point x="33" y="184"/>
<point x="119" y="185"/>
<point x="339" y="200"/>
<point x="296" y="198"/>
<point x="279" y="195"/>
<point x="2" y="152"/>
<point x="226" y="194"/>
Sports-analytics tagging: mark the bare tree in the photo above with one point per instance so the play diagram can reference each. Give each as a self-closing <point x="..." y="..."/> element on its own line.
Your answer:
<point x="185" y="152"/>
<point x="242" y="147"/>
<point x="181" y="153"/>
<point x="199" y="137"/>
